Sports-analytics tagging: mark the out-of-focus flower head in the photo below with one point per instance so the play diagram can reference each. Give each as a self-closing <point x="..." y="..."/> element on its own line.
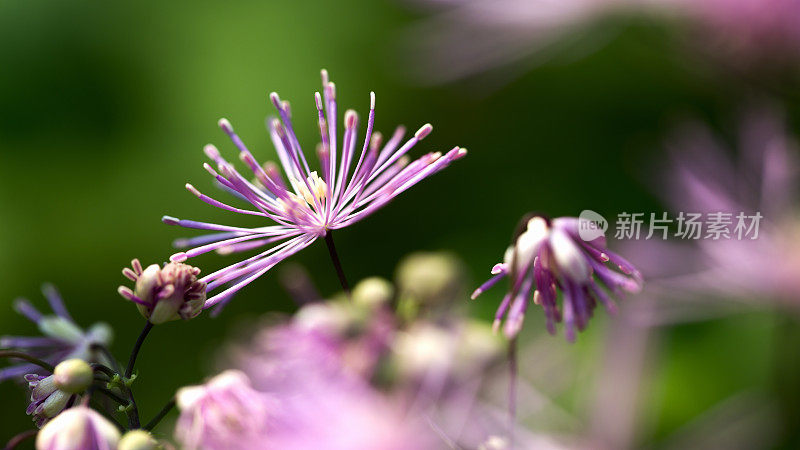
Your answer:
<point x="78" y="428"/>
<point x="468" y="37"/>
<point x="457" y="350"/>
<point x="224" y="413"/>
<point x="309" y="202"/>
<point x="746" y="31"/>
<point x="352" y="375"/>
<point x="62" y="338"/>
<point x="319" y="386"/>
<point x="165" y="293"/>
<point x="550" y="256"/>
<point x="322" y="342"/>
<point x="704" y="180"/>
<point x="427" y="279"/>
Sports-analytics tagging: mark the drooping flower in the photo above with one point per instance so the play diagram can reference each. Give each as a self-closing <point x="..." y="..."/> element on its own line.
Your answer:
<point x="63" y="338"/>
<point x="309" y="202"/>
<point x="47" y="401"/>
<point x="549" y="257"/>
<point x="78" y="428"/>
<point x="52" y="394"/>
<point x="165" y="293"/>
<point x="224" y="413"/>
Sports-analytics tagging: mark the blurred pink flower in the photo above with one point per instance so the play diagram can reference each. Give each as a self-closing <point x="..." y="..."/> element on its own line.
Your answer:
<point x="703" y="179"/>
<point x="463" y="38"/>
<point x="747" y="30"/>
<point x="467" y="37"/>
<point x="323" y="392"/>
<point x="224" y="413"/>
<point x="353" y="375"/>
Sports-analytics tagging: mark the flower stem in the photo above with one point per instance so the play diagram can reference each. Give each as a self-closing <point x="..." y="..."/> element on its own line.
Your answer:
<point x="113" y="396"/>
<point x="20" y="438"/>
<point x="107" y="353"/>
<point x="512" y="389"/>
<point x="100" y="368"/>
<point x="336" y="263"/>
<point x="133" y="412"/>
<point x="26" y="357"/>
<point x="138" y="346"/>
<point x="161" y="414"/>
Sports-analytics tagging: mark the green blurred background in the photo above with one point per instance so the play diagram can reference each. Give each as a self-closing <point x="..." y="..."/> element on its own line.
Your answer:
<point x="105" y="107"/>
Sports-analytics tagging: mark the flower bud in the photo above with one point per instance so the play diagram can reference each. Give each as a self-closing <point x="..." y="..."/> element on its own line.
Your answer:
<point x="73" y="376"/>
<point x="429" y="277"/>
<point x="77" y="428"/>
<point x="165" y="293"/>
<point x="373" y="292"/>
<point x="137" y="440"/>
<point x="47" y="401"/>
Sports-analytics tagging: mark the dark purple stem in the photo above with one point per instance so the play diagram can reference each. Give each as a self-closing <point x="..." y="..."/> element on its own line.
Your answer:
<point x="336" y="263"/>
<point x="20" y="438"/>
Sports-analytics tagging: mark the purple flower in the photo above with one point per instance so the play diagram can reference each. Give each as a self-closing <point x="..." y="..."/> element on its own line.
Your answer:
<point x="753" y="265"/>
<point x="47" y="401"/>
<point x="51" y="394"/>
<point x="309" y="202"/>
<point x="548" y="257"/>
<point x="224" y="413"/>
<point x="62" y="339"/>
<point x="165" y="293"/>
<point x="78" y="428"/>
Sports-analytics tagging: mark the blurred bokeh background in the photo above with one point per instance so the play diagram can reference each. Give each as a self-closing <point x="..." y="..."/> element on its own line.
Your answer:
<point x="105" y="107"/>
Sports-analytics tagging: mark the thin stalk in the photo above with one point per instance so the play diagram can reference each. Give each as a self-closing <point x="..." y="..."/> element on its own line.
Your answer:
<point x="336" y="263"/>
<point x="138" y="346"/>
<point x="108" y="393"/>
<point x="107" y="353"/>
<point x="26" y="357"/>
<point x="20" y="438"/>
<point x="103" y="369"/>
<point x="161" y="414"/>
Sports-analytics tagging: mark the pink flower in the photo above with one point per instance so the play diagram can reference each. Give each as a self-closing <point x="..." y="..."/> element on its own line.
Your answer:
<point x="224" y="413"/>
<point x="304" y="202"/>
<point x="750" y="269"/>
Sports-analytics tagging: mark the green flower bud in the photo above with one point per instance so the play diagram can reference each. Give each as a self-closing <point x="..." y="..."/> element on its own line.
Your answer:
<point x="429" y="277"/>
<point x="137" y="440"/>
<point x="73" y="376"/>
<point x="373" y="292"/>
